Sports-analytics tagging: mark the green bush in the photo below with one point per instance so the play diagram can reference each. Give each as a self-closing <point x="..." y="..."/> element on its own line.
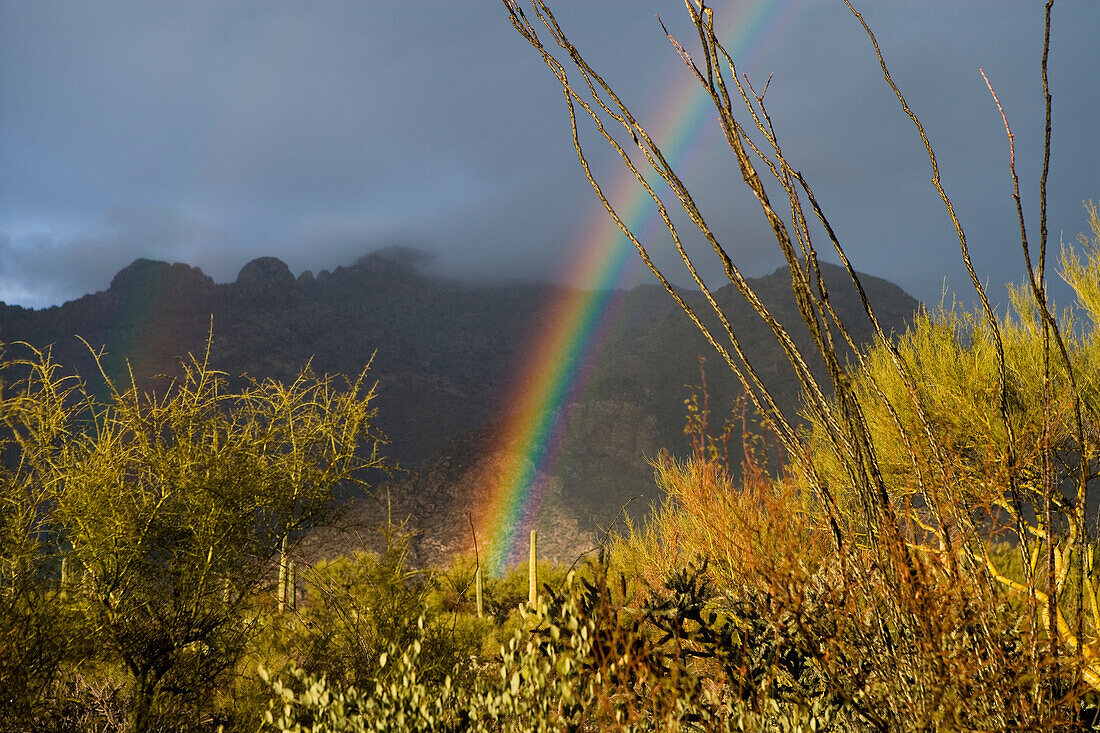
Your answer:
<point x="581" y="661"/>
<point x="358" y="605"/>
<point x="168" y="512"/>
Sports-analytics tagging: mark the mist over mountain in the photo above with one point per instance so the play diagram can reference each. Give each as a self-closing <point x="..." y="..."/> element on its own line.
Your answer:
<point x="446" y="355"/>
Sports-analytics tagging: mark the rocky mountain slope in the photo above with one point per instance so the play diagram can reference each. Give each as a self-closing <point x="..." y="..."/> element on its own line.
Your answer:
<point x="445" y="355"/>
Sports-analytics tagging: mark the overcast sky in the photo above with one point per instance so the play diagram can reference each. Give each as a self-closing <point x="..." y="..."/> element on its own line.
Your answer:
<point x="215" y="132"/>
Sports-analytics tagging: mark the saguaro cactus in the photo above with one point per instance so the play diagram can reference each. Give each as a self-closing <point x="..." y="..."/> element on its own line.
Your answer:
<point x="280" y="591"/>
<point x="477" y="589"/>
<point x="532" y="576"/>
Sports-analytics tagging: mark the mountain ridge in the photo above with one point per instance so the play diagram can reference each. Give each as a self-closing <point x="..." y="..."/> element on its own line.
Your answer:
<point x="446" y="355"/>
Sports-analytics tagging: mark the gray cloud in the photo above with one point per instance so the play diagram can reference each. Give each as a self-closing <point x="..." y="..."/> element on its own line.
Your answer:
<point x="39" y="269"/>
<point x="214" y="132"/>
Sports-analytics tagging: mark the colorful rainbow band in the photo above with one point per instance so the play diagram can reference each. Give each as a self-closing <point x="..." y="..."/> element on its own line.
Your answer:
<point x="551" y="376"/>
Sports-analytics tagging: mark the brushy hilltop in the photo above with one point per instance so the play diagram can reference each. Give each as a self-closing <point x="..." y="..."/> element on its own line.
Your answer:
<point x="445" y="355"/>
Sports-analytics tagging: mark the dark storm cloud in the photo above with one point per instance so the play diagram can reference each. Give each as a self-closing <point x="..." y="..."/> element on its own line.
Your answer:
<point x="216" y="132"/>
<point x="41" y="270"/>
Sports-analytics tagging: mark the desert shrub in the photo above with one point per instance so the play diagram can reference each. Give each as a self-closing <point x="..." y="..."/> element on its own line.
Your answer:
<point x="397" y="699"/>
<point x="358" y="605"/>
<point x="167" y="510"/>
<point x="880" y="640"/>
<point x="971" y="458"/>
<point x="581" y="661"/>
<point x="40" y="631"/>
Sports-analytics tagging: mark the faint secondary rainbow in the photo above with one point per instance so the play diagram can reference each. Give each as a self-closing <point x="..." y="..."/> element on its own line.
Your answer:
<point x="553" y="372"/>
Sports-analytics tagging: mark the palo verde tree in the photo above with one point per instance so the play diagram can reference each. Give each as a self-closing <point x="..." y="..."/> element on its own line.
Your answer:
<point x="170" y="508"/>
<point x="907" y="491"/>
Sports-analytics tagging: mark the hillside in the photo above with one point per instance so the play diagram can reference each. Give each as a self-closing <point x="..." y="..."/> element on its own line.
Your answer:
<point x="445" y="355"/>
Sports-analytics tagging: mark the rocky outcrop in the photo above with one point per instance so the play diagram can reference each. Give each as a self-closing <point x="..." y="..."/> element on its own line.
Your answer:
<point x="155" y="287"/>
<point x="264" y="275"/>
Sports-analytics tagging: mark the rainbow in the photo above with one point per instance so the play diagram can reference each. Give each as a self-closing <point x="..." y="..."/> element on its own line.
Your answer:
<point x="554" y="370"/>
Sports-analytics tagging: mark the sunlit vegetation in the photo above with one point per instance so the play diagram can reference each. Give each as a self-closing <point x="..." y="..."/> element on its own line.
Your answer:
<point x="916" y="551"/>
<point x="734" y="608"/>
<point x="155" y="578"/>
<point x="141" y="530"/>
<point x="145" y="532"/>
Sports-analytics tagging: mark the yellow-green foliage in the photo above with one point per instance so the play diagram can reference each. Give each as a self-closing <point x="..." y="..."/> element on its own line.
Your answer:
<point x="577" y="663"/>
<point x="941" y="436"/>
<point x="932" y="622"/>
<point x="359" y="604"/>
<point x="880" y="640"/>
<point x="958" y="449"/>
<point x="1084" y="275"/>
<point x="167" y="510"/>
